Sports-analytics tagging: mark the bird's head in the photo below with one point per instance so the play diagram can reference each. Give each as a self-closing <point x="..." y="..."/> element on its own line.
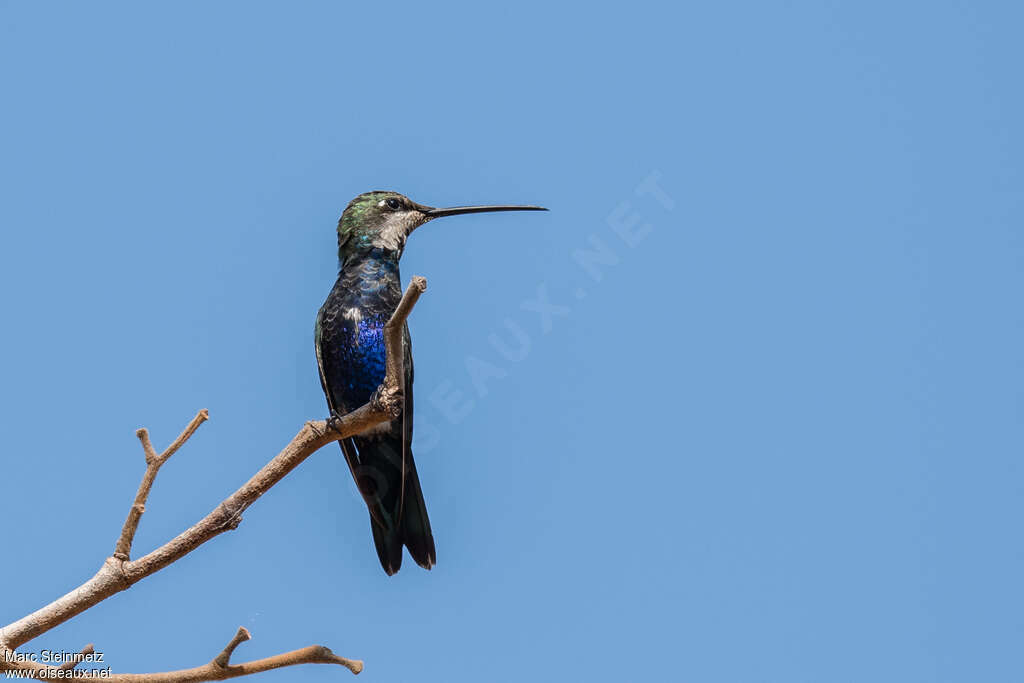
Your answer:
<point x="384" y="220"/>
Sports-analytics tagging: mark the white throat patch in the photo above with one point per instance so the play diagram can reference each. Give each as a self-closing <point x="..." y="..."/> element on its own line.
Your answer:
<point x="391" y="237"/>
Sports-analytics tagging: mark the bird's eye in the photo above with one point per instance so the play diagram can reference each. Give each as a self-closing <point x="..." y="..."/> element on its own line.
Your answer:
<point x="393" y="204"/>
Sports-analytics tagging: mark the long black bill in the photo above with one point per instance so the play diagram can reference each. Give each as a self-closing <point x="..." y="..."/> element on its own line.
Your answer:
<point x="456" y="210"/>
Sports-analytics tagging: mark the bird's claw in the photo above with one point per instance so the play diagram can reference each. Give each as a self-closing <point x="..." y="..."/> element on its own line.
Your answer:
<point x="334" y="422"/>
<point x="388" y="399"/>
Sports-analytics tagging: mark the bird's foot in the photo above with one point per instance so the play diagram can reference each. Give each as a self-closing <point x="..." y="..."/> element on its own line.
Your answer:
<point x="334" y="421"/>
<point x="388" y="399"/>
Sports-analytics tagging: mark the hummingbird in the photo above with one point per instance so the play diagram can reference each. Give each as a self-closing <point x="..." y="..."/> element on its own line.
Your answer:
<point x="350" y="355"/>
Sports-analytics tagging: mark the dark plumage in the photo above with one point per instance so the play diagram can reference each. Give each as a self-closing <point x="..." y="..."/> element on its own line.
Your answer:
<point x="350" y="348"/>
<point x="351" y="358"/>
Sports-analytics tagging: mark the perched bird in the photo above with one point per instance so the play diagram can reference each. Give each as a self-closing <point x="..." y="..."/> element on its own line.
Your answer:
<point x="350" y="355"/>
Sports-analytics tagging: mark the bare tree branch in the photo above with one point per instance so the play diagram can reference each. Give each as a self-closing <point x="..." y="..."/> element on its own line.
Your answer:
<point x="220" y="667"/>
<point x="119" y="572"/>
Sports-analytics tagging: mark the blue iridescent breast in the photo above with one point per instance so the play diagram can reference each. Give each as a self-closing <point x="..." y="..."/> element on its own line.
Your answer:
<point x="362" y="360"/>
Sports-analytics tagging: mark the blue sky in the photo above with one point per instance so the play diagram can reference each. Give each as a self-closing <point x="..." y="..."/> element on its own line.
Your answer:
<point x="774" y="434"/>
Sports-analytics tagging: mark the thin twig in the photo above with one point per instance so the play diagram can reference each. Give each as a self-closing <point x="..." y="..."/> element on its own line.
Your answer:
<point x="123" y="549"/>
<point x="224" y="657"/>
<point x="393" y="330"/>
<point x="215" y="671"/>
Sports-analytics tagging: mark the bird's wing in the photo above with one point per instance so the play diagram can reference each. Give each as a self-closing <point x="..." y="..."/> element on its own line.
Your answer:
<point x="347" y="446"/>
<point x="406" y="411"/>
<point x="317" y="341"/>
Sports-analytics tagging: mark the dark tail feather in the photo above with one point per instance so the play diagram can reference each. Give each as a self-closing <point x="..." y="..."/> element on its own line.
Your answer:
<point x="415" y="524"/>
<point x="378" y="472"/>
<point x="389" y="547"/>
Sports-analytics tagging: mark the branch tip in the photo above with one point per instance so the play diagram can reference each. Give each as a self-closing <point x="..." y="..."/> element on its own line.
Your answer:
<point x="353" y="665"/>
<point x="224" y="658"/>
<point x="201" y="417"/>
<point x="147" y="445"/>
